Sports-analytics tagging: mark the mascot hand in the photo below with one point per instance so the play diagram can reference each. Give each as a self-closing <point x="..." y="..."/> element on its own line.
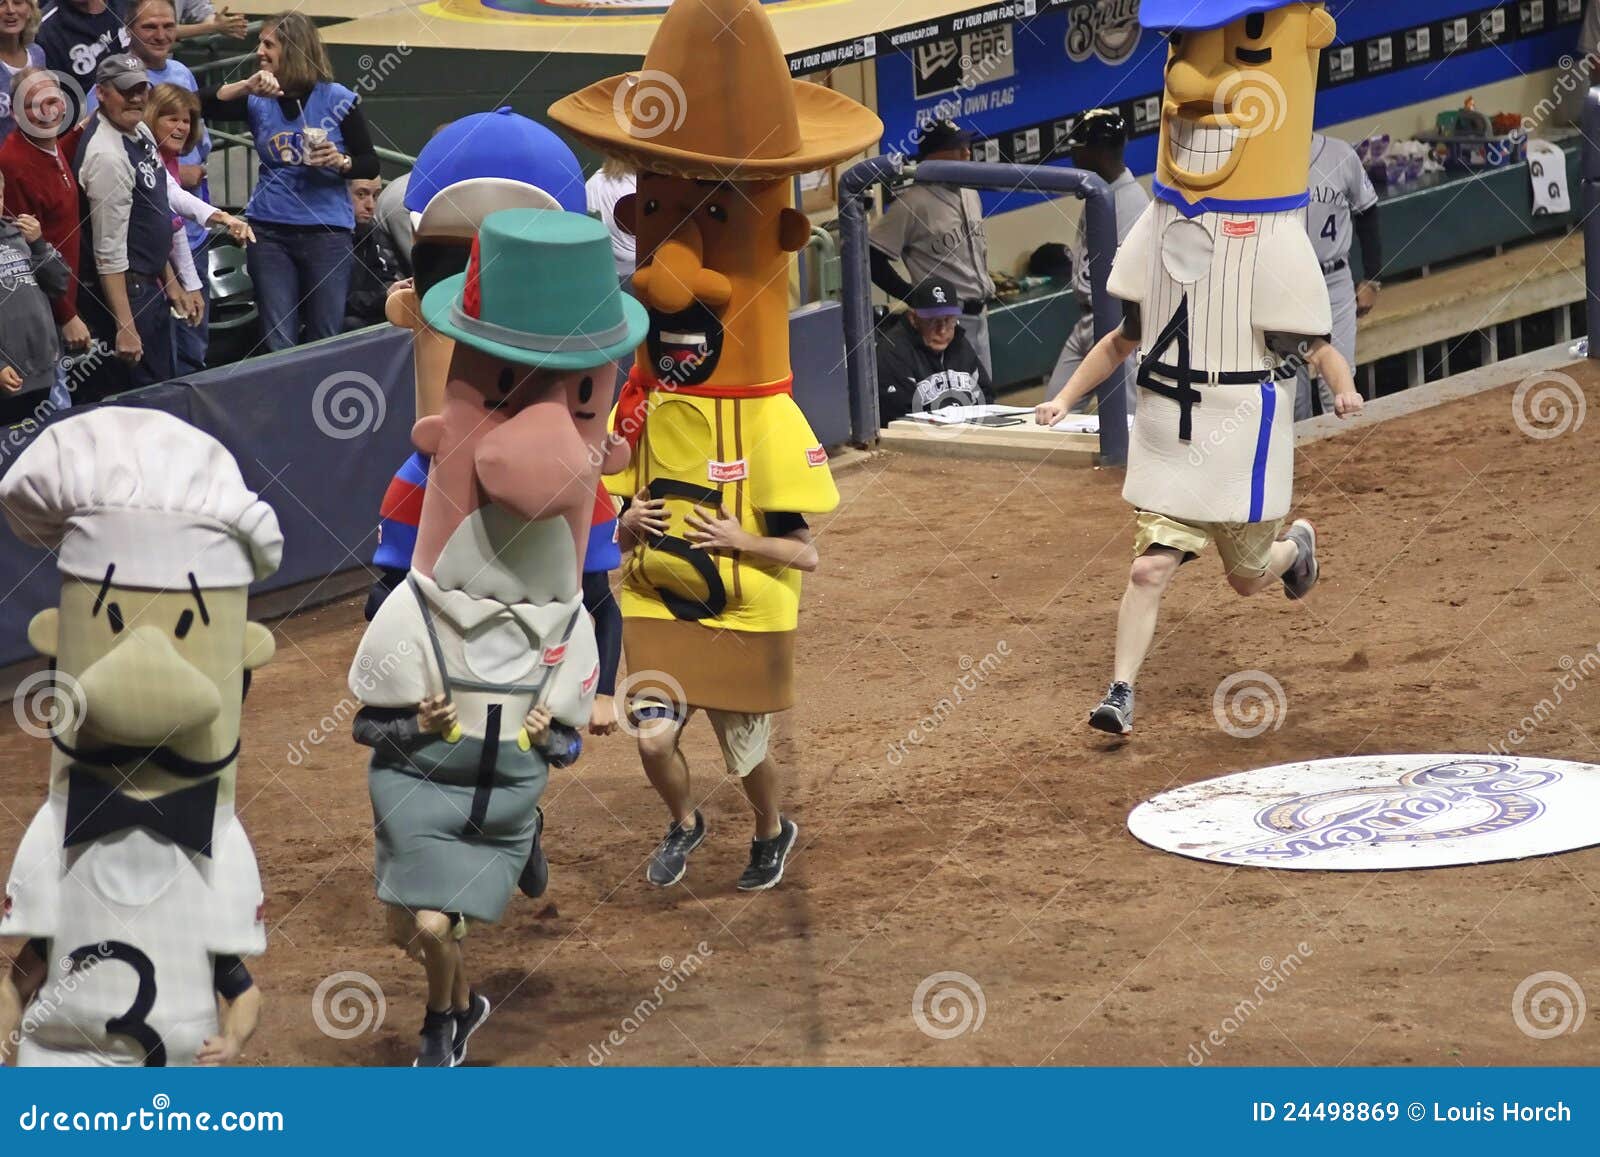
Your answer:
<point x="437" y="716"/>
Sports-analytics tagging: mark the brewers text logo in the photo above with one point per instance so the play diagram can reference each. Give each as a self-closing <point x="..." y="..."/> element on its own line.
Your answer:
<point x="1108" y="29"/>
<point x="1470" y="797"/>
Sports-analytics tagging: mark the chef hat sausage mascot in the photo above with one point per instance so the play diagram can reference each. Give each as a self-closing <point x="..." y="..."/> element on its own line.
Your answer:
<point x="477" y="671"/>
<point x="1224" y="300"/>
<point x="725" y="462"/>
<point x="470" y="168"/>
<point x="135" y="883"/>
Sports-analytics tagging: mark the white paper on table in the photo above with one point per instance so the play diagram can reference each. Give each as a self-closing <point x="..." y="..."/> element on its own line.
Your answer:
<point x="960" y="415"/>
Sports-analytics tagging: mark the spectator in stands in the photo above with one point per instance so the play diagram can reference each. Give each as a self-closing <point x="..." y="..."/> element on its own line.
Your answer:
<point x="311" y="136"/>
<point x="75" y="34"/>
<point x="938" y="232"/>
<point x="1097" y="142"/>
<point x="36" y="163"/>
<point x="19" y="24"/>
<point x="391" y="213"/>
<point x="153" y="32"/>
<point x="199" y="18"/>
<point x="925" y="360"/>
<point x="31" y="272"/>
<point x="376" y="267"/>
<point x="144" y="269"/>
<point x="611" y="182"/>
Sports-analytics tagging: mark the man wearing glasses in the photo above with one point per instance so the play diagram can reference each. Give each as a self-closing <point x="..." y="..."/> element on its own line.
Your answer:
<point x="926" y="361"/>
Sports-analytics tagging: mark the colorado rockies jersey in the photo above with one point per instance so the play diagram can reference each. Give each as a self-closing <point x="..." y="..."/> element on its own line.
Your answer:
<point x="1340" y="188"/>
<point x="1213" y="436"/>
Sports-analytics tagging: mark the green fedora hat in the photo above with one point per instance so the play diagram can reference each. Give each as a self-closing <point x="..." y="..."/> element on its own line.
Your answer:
<point x="541" y="290"/>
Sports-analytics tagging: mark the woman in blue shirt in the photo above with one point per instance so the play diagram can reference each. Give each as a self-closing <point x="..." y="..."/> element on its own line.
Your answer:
<point x="311" y="137"/>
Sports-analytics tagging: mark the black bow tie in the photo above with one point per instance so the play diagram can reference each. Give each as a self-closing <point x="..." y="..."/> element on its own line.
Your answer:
<point x="96" y="809"/>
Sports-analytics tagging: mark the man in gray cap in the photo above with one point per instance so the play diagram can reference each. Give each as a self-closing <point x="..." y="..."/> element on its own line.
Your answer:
<point x="140" y="264"/>
<point x="135" y="885"/>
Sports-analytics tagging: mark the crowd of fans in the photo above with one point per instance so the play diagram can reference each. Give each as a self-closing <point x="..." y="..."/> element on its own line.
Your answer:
<point x="106" y="222"/>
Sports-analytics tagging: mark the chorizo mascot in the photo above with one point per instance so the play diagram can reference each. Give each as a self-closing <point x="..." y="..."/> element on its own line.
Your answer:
<point x="476" y="671"/>
<point x="135" y="885"/>
<point x="1224" y="301"/>
<point x="726" y="468"/>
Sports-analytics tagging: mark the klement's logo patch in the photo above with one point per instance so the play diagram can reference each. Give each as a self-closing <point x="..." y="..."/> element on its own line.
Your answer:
<point x="554" y="655"/>
<point x="1239" y="228"/>
<point x="817" y="456"/>
<point x="728" y="471"/>
<point x="592" y="680"/>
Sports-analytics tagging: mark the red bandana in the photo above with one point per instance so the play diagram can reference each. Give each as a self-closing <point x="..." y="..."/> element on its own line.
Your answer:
<point x="471" y="294"/>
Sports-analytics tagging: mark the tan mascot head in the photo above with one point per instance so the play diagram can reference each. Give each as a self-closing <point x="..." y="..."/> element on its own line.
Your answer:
<point x="158" y="540"/>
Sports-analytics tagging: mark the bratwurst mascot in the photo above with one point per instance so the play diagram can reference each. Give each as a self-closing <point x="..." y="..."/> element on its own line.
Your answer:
<point x="135" y="883"/>
<point x="1224" y="300"/>
<point x="478" y="669"/>
<point x="725" y="468"/>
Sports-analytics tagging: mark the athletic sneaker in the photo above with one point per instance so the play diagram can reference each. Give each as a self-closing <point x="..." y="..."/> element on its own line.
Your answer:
<point x="468" y="1021"/>
<point x="1302" y="576"/>
<point x="438" y="1041"/>
<point x="767" y="858"/>
<point x="670" y="860"/>
<point x="535" y="876"/>
<point x="1115" y="713"/>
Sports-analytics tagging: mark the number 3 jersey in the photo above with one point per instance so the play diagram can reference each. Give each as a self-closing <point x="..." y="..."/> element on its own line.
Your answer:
<point x="1220" y="296"/>
<point x="133" y="923"/>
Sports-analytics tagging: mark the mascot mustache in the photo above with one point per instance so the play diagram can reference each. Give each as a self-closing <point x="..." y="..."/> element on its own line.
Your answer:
<point x="160" y="756"/>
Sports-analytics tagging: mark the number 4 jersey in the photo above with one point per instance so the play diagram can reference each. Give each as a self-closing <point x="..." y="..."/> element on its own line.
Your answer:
<point x="1223" y="298"/>
<point x="133" y="922"/>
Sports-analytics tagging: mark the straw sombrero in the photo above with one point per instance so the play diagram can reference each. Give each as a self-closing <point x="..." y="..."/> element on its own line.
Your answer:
<point x="715" y="101"/>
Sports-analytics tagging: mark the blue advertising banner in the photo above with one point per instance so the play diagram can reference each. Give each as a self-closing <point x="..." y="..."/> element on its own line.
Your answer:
<point x="928" y="1111"/>
<point x="1019" y="73"/>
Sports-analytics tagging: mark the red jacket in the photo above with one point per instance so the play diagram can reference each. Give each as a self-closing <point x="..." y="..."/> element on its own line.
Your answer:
<point x="44" y="186"/>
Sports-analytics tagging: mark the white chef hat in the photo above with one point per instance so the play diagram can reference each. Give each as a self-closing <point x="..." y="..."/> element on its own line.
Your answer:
<point x="146" y="492"/>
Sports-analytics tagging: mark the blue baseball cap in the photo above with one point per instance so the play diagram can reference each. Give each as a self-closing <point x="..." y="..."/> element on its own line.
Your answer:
<point x="1202" y="15"/>
<point x="501" y="143"/>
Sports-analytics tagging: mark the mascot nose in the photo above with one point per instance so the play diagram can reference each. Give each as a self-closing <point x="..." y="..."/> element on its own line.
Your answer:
<point x="535" y="464"/>
<point x="143" y="692"/>
<point x="1189" y="83"/>
<point x="677" y="277"/>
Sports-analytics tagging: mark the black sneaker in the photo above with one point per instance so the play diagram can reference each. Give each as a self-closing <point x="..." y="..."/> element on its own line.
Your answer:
<point x="438" y="1041"/>
<point x="670" y="860"/>
<point x="767" y="858"/>
<point x="535" y="876"/>
<point x="468" y="1021"/>
<point x="1115" y="713"/>
<point x="1302" y="576"/>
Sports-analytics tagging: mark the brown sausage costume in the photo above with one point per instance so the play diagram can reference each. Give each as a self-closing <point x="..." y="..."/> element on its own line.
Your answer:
<point x="709" y="405"/>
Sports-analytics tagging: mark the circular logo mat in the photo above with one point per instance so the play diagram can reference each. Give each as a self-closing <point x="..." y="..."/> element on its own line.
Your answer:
<point x="1377" y="813"/>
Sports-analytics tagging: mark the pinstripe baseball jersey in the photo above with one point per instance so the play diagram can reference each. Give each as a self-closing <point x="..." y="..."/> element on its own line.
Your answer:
<point x="1213" y="437"/>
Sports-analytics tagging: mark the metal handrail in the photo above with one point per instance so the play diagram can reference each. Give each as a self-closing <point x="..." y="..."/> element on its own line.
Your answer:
<point x="830" y="273"/>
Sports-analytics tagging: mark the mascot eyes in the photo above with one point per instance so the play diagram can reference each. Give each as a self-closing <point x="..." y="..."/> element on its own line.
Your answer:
<point x="185" y="623"/>
<point x="1255" y="24"/>
<point x="651" y="206"/>
<point x="585" y="391"/>
<point x="717" y="213"/>
<point x="114" y="617"/>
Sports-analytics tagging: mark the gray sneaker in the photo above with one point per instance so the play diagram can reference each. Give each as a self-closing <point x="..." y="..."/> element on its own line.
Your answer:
<point x="670" y="860"/>
<point x="1115" y="713"/>
<point x="1302" y="576"/>
<point x="438" y="1039"/>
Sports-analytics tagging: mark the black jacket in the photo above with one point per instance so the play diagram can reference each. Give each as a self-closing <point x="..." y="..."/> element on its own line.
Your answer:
<point x="912" y="378"/>
<point x="373" y="270"/>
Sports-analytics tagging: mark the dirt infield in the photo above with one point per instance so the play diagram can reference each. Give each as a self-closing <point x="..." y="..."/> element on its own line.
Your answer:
<point x="985" y="837"/>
